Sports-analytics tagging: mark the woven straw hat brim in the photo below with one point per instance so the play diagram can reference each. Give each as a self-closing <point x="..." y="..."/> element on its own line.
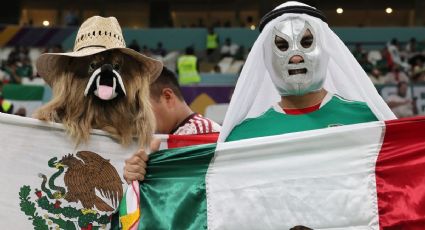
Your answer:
<point x="48" y="62"/>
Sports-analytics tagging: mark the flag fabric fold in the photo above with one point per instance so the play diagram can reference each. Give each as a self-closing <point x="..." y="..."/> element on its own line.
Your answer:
<point x="364" y="176"/>
<point x="400" y="175"/>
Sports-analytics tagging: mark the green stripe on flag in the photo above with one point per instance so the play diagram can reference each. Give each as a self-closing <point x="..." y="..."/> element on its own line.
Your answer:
<point x="173" y="195"/>
<point x="123" y="206"/>
<point x="23" y="92"/>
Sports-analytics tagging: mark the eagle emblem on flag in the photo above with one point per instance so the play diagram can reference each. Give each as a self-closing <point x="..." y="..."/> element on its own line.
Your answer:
<point x="91" y="188"/>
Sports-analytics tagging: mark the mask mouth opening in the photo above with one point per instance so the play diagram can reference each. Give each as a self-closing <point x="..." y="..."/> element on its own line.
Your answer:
<point x="297" y="71"/>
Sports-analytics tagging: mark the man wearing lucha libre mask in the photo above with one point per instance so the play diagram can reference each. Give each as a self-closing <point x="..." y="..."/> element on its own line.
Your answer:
<point x="299" y="76"/>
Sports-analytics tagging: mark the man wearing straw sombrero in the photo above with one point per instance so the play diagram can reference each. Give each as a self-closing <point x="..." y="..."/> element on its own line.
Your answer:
<point x="101" y="84"/>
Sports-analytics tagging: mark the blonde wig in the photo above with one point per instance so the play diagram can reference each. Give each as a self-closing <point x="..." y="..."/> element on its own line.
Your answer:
<point x="125" y="117"/>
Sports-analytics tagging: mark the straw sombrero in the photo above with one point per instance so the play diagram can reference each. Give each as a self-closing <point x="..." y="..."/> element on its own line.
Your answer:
<point x="97" y="34"/>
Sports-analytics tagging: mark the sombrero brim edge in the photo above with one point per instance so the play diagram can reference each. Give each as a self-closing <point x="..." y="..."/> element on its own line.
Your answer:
<point x="48" y="62"/>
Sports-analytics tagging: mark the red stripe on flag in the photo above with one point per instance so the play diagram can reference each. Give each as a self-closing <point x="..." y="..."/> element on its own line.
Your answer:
<point x="400" y="175"/>
<point x="176" y="141"/>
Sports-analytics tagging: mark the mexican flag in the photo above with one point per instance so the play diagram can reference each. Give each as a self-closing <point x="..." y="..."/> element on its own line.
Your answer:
<point x="47" y="182"/>
<point x="29" y="97"/>
<point x="364" y="176"/>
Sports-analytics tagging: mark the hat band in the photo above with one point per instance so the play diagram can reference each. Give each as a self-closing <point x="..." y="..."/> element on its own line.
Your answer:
<point x="96" y="46"/>
<point x="291" y="9"/>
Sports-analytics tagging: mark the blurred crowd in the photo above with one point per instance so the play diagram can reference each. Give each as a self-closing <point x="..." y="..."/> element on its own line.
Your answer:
<point x="394" y="64"/>
<point x="19" y="64"/>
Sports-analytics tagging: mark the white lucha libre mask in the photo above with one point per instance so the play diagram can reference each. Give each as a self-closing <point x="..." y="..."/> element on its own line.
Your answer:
<point x="298" y="61"/>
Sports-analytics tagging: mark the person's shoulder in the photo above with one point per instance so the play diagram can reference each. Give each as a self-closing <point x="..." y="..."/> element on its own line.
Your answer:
<point x="255" y="127"/>
<point x="271" y="111"/>
<point x="358" y="109"/>
<point x="341" y="100"/>
<point x="206" y="125"/>
<point x="250" y="122"/>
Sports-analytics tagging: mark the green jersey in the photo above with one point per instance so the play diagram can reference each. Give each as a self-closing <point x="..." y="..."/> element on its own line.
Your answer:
<point x="336" y="112"/>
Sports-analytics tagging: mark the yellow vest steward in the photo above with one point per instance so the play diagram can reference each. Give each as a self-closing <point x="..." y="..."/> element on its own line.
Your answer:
<point x="5" y="106"/>
<point x="188" y="74"/>
<point x="212" y="41"/>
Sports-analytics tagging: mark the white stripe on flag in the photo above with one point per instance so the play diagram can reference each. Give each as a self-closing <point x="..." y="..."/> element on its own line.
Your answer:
<point x="308" y="186"/>
<point x="27" y="146"/>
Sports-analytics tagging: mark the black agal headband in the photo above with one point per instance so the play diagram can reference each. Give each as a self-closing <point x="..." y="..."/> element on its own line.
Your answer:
<point x="291" y="9"/>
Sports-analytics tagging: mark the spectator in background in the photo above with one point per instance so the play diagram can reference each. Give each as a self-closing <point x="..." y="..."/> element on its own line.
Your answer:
<point x="417" y="61"/>
<point x="5" y="106"/>
<point x="159" y="50"/>
<point x="376" y="77"/>
<point x="14" y="55"/>
<point x="25" y="52"/>
<point x="134" y="45"/>
<point x="386" y="63"/>
<point x="401" y="104"/>
<point x="394" y="53"/>
<point x="396" y="75"/>
<point x="212" y="42"/>
<point x="229" y="49"/>
<point x="146" y="51"/>
<point x="418" y="74"/>
<point x="173" y="116"/>
<point x="11" y="70"/>
<point x="358" y="52"/>
<point x="414" y="47"/>
<point x="364" y="62"/>
<point x="188" y="68"/>
<point x="25" y="69"/>
<point x="21" y="112"/>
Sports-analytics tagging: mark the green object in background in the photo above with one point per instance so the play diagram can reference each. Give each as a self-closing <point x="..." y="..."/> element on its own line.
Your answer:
<point x="188" y="73"/>
<point x="23" y="92"/>
<point x="24" y="71"/>
<point x="212" y="42"/>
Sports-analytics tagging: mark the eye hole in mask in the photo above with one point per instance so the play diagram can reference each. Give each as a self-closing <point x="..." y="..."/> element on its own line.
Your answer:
<point x="281" y="43"/>
<point x="307" y="39"/>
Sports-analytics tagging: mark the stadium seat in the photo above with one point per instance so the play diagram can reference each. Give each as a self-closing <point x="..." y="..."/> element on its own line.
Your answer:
<point x="225" y="63"/>
<point x="236" y="67"/>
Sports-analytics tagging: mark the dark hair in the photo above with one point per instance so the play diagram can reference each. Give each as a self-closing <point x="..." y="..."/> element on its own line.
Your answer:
<point x="190" y="50"/>
<point x="167" y="79"/>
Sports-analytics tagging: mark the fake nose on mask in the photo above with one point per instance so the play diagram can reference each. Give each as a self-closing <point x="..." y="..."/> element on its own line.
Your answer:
<point x="296" y="59"/>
